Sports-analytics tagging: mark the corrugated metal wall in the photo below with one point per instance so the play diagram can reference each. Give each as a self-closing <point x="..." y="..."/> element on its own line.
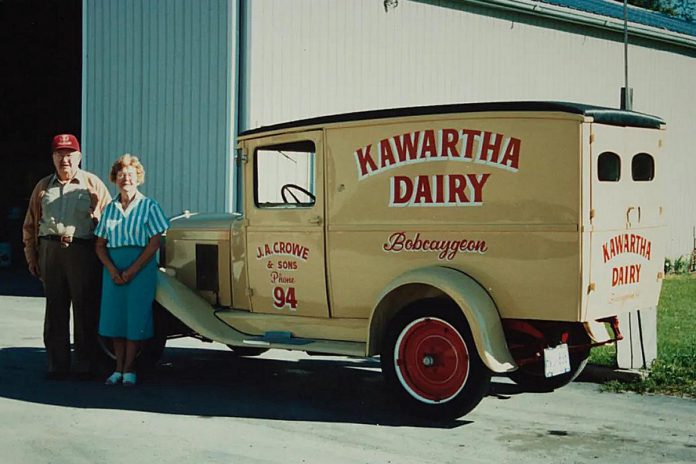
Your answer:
<point x="308" y="58"/>
<point x="158" y="81"/>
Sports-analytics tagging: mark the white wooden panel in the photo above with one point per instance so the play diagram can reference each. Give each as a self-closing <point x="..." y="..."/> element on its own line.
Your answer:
<point x="638" y="349"/>
<point x="306" y="58"/>
<point x="157" y="82"/>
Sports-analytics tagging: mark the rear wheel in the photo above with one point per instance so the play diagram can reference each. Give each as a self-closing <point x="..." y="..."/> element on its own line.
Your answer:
<point x="430" y="360"/>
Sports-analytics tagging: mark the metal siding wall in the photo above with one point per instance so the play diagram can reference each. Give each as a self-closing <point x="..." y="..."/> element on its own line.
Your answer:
<point x="310" y="58"/>
<point x="156" y="84"/>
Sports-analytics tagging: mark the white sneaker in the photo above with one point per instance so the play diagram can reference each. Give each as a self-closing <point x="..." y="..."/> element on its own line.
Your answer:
<point x="129" y="379"/>
<point x="114" y="378"/>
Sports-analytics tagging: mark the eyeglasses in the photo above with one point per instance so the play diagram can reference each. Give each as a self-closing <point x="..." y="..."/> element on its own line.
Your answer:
<point x="123" y="174"/>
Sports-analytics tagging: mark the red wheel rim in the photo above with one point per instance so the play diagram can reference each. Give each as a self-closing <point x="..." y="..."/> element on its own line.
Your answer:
<point x="431" y="360"/>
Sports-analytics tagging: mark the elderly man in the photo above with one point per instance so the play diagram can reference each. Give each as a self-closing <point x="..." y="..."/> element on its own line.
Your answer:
<point x="59" y="248"/>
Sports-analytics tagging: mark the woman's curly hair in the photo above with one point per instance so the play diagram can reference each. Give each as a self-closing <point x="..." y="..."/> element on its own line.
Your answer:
<point x="126" y="161"/>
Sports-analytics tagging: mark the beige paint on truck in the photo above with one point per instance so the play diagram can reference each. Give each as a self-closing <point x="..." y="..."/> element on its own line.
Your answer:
<point x="513" y="217"/>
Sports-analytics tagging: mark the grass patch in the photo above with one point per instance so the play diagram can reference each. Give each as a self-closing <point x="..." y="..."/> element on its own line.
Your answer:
<point x="674" y="370"/>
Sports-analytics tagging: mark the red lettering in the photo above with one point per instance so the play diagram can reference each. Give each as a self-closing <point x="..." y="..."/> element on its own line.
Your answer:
<point x="401" y="190"/>
<point x="439" y="181"/>
<point x="457" y="185"/>
<point x="490" y="150"/>
<point x="445" y="249"/>
<point x="429" y="148"/>
<point x="296" y="248"/>
<point x="450" y="139"/>
<point x="625" y="275"/>
<point x="511" y="158"/>
<point x="477" y="181"/>
<point x="417" y="244"/>
<point x="386" y="158"/>
<point x="423" y="193"/>
<point x="366" y="164"/>
<point x="407" y="146"/>
<point x="643" y="246"/>
<point x="468" y="143"/>
<point x="290" y="298"/>
<point x="395" y="242"/>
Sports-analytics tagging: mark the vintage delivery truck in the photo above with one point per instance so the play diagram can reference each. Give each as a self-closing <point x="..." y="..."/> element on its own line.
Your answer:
<point x="455" y="242"/>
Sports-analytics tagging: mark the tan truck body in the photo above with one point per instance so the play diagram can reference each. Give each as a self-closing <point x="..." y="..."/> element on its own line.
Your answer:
<point x="511" y="212"/>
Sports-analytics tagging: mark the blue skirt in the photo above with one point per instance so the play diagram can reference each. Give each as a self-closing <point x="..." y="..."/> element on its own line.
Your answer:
<point x="126" y="310"/>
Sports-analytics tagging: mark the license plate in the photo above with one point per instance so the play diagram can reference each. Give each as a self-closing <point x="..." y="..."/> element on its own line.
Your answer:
<point x="556" y="360"/>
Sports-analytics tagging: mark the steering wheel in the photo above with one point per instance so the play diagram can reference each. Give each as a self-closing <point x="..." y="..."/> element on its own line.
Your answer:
<point x="288" y="188"/>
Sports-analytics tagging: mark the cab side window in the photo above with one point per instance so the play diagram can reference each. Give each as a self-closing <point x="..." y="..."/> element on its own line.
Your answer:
<point x="284" y="175"/>
<point x="643" y="167"/>
<point x="609" y="167"/>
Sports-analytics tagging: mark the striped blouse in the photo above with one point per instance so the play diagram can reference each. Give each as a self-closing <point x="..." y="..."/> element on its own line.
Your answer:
<point x="142" y="220"/>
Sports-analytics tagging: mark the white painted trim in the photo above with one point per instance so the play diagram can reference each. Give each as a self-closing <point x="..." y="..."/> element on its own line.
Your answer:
<point x="587" y="19"/>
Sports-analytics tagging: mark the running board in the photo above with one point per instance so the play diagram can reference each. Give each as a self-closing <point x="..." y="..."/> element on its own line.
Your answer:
<point x="285" y="340"/>
<point x="200" y="316"/>
<point x="269" y="338"/>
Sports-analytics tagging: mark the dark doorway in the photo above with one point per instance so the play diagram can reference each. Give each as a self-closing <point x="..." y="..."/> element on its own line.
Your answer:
<point x="41" y="50"/>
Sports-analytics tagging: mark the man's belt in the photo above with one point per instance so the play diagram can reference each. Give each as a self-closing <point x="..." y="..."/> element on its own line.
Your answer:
<point x="66" y="240"/>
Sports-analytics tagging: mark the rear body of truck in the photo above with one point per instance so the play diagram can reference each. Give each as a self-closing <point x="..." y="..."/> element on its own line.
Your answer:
<point x="491" y="233"/>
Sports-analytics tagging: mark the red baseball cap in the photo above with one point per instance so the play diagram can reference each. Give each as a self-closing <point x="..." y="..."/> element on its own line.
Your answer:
<point x="67" y="141"/>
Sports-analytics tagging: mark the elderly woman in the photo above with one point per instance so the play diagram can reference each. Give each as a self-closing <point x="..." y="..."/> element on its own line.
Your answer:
<point x="128" y="236"/>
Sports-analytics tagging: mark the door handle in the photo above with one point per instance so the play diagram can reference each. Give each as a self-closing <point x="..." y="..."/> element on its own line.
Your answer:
<point x="315" y="220"/>
<point x="630" y="209"/>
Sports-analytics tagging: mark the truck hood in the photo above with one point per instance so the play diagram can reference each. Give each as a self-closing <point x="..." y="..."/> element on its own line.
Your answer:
<point x="206" y="221"/>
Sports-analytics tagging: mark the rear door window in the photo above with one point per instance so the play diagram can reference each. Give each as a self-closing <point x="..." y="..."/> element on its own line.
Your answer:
<point x="643" y="167"/>
<point x="609" y="167"/>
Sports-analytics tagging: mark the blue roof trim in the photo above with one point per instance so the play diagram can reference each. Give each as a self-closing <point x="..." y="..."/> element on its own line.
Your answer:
<point x="614" y="9"/>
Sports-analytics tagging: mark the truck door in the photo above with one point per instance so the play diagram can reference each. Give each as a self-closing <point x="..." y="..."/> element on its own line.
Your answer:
<point x="284" y="206"/>
<point x="627" y="221"/>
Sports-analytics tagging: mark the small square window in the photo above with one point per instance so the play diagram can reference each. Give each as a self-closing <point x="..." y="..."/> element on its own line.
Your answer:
<point x="284" y="175"/>
<point x="609" y="167"/>
<point x="643" y="167"/>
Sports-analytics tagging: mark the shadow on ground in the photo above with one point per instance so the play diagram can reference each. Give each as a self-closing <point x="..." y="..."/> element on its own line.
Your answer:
<point x="16" y="281"/>
<point x="215" y="383"/>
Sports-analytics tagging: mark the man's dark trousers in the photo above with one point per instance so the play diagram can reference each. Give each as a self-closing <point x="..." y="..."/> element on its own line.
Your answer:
<point x="70" y="274"/>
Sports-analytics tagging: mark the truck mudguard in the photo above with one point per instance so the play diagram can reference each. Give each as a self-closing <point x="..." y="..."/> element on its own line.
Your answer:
<point x="193" y="310"/>
<point x="469" y="296"/>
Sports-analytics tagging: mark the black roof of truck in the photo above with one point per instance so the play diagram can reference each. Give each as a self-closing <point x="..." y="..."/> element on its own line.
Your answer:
<point x="602" y="115"/>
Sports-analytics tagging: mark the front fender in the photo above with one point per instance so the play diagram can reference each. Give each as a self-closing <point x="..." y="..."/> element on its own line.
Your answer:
<point x="193" y="310"/>
<point x="473" y="300"/>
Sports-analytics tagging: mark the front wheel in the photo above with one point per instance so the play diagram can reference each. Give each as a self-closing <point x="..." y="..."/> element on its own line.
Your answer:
<point x="430" y="360"/>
